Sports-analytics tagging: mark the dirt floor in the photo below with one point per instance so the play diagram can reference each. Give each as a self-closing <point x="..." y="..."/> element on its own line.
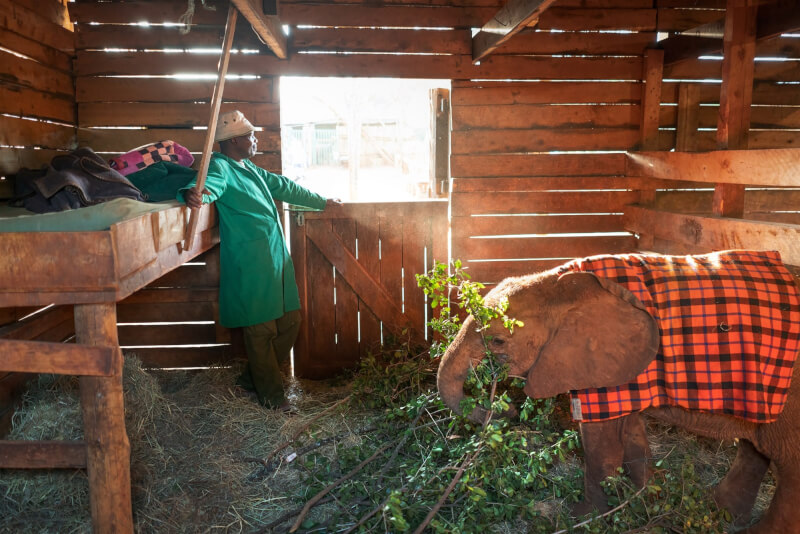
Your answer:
<point x="206" y="458"/>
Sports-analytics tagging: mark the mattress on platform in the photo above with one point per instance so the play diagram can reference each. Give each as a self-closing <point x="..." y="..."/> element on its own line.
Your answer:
<point x="88" y="219"/>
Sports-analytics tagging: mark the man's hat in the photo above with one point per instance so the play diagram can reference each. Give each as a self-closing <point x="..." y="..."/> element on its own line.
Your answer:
<point x="232" y="124"/>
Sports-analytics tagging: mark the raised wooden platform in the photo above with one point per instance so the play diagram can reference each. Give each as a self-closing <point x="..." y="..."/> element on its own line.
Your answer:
<point x="91" y="271"/>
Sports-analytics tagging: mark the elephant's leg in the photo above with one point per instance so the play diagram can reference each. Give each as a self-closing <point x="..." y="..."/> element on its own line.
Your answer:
<point x="782" y="514"/>
<point x="603" y="454"/>
<point x="636" y="449"/>
<point x="738" y="490"/>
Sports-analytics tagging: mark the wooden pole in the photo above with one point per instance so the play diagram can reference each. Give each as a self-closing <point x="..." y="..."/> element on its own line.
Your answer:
<point x="107" y="447"/>
<point x="736" y="96"/>
<point x="216" y="102"/>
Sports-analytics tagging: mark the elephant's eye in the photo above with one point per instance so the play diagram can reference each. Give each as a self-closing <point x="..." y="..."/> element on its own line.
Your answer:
<point x="498" y="341"/>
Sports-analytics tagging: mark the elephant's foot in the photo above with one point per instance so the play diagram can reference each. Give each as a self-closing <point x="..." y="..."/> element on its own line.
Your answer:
<point x="783" y="514"/>
<point x="738" y="490"/>
<point x="580" y="509"/>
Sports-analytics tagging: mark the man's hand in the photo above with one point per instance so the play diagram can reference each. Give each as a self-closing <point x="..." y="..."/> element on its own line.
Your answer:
<point x="194" y="198"/>
<point x="333" y="202"/>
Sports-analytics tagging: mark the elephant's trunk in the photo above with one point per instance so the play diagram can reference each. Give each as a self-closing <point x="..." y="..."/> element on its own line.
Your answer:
<point x="454" y="369"/>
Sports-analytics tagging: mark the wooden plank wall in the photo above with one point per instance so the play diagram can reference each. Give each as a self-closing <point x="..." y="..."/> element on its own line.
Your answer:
<point x="137" y="78"/>
<point x="37" y="121"/>
<point x="37" y="95"/>
<point x="174" y="321"/>
<point x="688" y="121"/>
<point x="537" y="164"/>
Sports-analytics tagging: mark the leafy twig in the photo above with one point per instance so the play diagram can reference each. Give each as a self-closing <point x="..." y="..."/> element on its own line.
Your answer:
<point x="613" y="510"/>
<point x="316" y="498"/>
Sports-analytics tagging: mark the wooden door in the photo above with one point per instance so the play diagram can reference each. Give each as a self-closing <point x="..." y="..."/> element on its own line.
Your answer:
<point x="355" y="270"/>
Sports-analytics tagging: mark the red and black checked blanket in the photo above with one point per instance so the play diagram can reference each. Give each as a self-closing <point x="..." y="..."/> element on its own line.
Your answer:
<point x="730" y="332"/>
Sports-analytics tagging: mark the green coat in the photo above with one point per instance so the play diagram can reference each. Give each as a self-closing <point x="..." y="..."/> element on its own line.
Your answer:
<point x="256" y="272"/>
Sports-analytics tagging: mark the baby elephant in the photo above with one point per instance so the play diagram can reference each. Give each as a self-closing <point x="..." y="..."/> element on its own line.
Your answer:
<point x="707" y="343"/>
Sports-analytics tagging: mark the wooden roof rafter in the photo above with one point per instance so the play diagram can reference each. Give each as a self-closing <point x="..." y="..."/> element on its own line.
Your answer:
<point x="773" y="19"/>
<point x="267" y="27"/>
<point x="512" y="18"/>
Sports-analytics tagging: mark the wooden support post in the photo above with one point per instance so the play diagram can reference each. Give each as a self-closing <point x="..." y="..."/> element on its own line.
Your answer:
<point x="216" y="102"/>
<point x="736" y="96"/>
<point x="688" y="117"/>
<point x="297" y="237"/>
<point x="108" y="449"/>
<point x="440" y="143"/>
<point x="653" y="70"/>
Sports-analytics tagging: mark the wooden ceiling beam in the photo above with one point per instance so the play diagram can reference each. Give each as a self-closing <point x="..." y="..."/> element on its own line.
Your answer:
<point x="267" y="27"/>
<point x="772" y="20"/>
<point x="508" y="21"/>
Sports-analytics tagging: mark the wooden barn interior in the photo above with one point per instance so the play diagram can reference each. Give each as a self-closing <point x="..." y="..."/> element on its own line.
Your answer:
<point x="570" y="128"/>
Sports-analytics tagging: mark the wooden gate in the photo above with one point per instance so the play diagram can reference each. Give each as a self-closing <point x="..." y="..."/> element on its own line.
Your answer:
<point x="355" y="268"/>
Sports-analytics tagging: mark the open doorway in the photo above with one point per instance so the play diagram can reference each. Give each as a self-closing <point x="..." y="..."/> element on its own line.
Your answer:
<point x="359" y="139"/>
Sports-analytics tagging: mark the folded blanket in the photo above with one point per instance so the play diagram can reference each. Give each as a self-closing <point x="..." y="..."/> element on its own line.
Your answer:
<point x="144" y="156"/>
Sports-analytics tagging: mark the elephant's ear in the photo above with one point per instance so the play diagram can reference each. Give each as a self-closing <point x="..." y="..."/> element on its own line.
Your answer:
<point x="605" y="338"/>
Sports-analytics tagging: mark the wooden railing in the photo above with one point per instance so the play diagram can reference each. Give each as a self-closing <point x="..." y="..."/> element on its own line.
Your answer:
<point x="771" y="219"/>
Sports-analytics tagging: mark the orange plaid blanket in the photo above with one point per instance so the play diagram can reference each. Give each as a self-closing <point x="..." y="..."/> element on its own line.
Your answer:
<point x="730" y="333"/>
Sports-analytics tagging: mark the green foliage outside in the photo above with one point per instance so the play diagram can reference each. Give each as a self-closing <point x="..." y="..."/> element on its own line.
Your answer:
<point x="418" y="466"/>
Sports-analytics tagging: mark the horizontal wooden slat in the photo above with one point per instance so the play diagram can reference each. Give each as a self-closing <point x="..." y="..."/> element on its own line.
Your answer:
<point x="13" y="159"/>
<point x="127" y="12"/>
<point x="382" y="40"/>
<point x="57" y="358"/>
<point x="542" y="247"/>
<point x="764" y="93"/>
<point x="17" y="100"/>
<point x="715" y="233"/>
<point x="761" y="117"/>
<point x="42" y="270"/>
<point x="43" y="454"/>
<point x="22" y="132"/>
<point x="528" y="42"/>
<point x="496" y="117"/>
<point x="148" y="296"/>
<point x="120" y="140"/>
<point x="165" y="312"/>
<point x="178" y="334"/>
<point x="465" y="227"/>
<point x="23" y="44"/>
<point x="562" y="183"/>
<point x="778" y="167"/>
<point x="29" y="73"/>
<point x="91" y="89"/>
<point x="31" y="23"/>
<point x="374" y="65"/>
<point x="161" y="37"/>
<point x="537" y="202"/>
<point x="565" y="18"/>
<point x="172" y="115"/>
<point x="188" y="276"/>
<point x="499" y="93"/>
<point x="386" y="15"/>
<point x="537" y="165"/>
<point x="177" y="357"/>
<point x="678" y="20"/>
<point x="46" y="326"/>
<point x="543" y="140"/>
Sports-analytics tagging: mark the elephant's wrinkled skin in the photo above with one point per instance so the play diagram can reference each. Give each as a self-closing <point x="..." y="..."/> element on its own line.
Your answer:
<point x="552" y="353"/>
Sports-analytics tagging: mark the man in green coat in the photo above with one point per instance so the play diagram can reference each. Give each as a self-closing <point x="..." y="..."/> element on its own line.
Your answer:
<point x="257" y="285"/>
